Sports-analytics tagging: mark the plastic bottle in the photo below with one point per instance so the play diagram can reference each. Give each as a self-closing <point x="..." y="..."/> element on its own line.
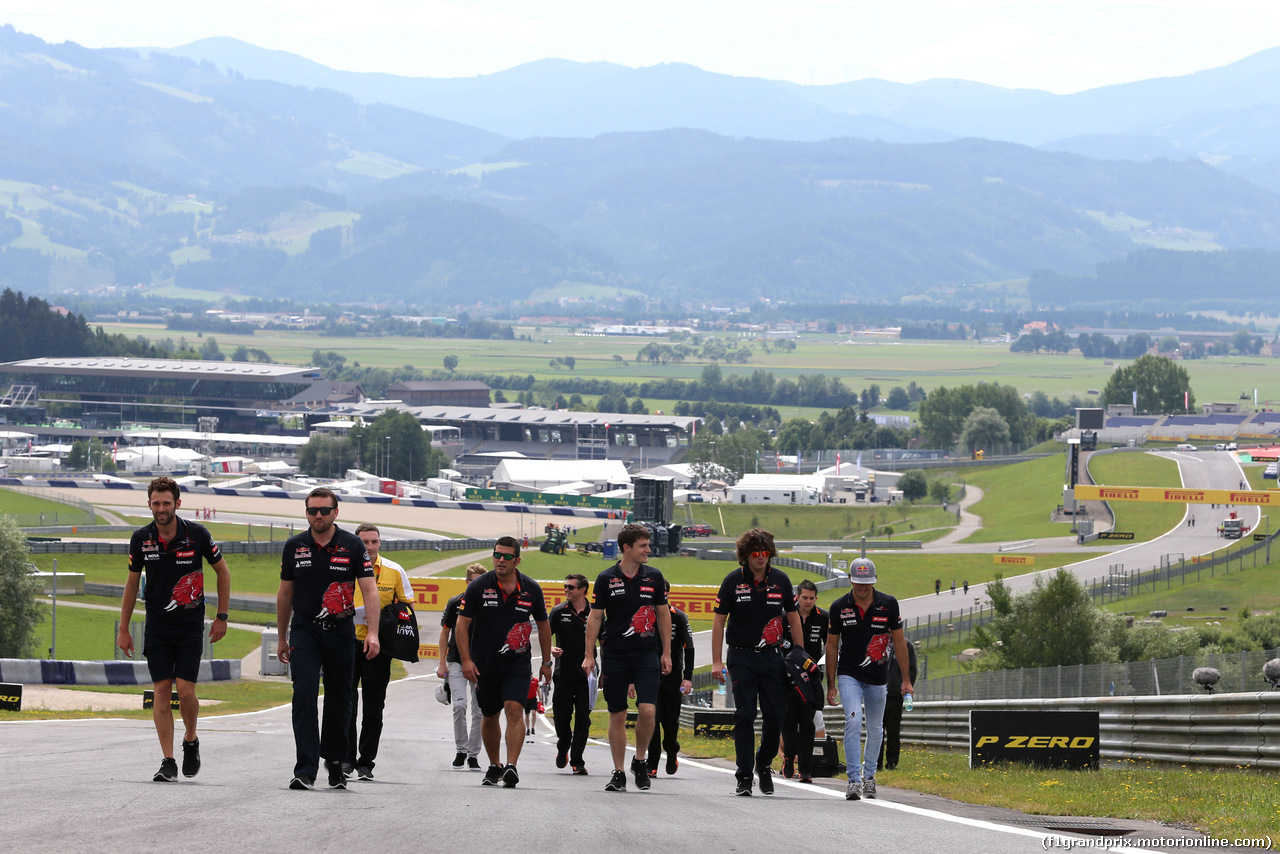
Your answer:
<point x="908" y="702"/>
<point x="724" y="672"/>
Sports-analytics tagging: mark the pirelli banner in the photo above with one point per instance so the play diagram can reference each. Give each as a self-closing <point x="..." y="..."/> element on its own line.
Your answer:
<point x="1016" y="560"/>
<point x="698" y="601"/>
<point x="1046" y="739"/>
<point x="1178" y="496"/>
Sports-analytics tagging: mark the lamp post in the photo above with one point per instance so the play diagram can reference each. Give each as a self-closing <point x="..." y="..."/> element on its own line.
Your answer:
<point x="386" y="469"/>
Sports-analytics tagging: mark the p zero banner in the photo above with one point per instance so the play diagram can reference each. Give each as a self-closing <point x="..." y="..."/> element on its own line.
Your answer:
<point x="548" y="498"/>
<point x="713" y="724"/>
<point x="11" y="696"/>
<point x="1046" y="739"/>
<point x="1178" y="496"/>
<point x="149" y="699"/>
<point x="1116" y="535"/>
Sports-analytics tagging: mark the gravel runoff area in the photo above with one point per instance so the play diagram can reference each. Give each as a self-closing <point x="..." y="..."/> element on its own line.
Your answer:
<point x="57" y="699"/>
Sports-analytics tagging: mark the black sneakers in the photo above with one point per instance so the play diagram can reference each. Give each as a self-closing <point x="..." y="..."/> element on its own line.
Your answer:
<point x="640" y="770"/>
<point x="672" y="763"/>
<point x="493" y="776"/>
<point x="460" y="759"/>
<point x="743" y="789"/>
<point x="300" y="784"/>
<point x="562" y="758"/>
<point x="473" y="763"/>
<point x="580" y="770"/>
<point x="364" y="772"/>
<point x="510" y="777"/>
<point x="766" y="780"/>
<point x="788" y="767"/>
<point x="617" y="782"/>
<point x="190" y="758"/>
<point x="337" y="780"/>
<point x="168" y="771"/>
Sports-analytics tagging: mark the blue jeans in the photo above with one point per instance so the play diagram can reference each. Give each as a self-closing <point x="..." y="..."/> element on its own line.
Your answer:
<point x="853" y="694"/>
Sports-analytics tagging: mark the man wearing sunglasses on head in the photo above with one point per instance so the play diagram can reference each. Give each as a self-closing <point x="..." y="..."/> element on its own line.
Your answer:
<point x="571" y="704"/>
<point x="319" y="571"/>
<point x="493" y="637"/>
<point x="760" y="607"/>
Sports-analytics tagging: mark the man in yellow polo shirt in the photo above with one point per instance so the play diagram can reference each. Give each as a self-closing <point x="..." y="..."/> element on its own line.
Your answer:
<point x="374" y="672"/>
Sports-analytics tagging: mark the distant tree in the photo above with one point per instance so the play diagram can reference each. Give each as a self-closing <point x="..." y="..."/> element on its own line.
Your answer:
<point x="638" y="407"/>
<point x="1052" y="624"/>
<point x="984" y="428"/>
<point x="898" y="399"/>
<point x="1159" y="381"/>
<point x="939" y="491"/>
<point x="450" y="362"/>
<point x="914" y="485"/>
<point x="327" y="456"/>
<point x="569" y="361"/>
<point x="20" y="613"/>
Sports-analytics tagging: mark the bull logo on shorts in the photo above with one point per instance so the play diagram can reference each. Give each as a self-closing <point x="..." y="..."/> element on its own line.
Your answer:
<point x="877" y="650"/>
<point x="517" y="638"/>
<point x="772" y="634"/>
<point x="338" y="600"/>
<point x="642" y="623"/>
<point x="188" y="592"/>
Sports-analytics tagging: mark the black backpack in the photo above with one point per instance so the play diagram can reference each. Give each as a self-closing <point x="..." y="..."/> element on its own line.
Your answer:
<point x="805" y="677"/>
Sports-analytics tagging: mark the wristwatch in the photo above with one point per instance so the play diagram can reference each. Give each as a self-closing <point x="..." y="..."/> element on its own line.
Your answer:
<point x="546" y="663"/>
<point x="222" y="617"/>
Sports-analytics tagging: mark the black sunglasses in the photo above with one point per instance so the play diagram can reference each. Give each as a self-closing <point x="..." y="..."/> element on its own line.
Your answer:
<point x="503" y="556"/>
<point x="320" y="511"/>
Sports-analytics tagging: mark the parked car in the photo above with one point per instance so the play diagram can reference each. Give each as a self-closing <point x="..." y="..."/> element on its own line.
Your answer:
<point x="1225" y="446"/>
<point x="1185" y="447"/>
<point x="698" y="530"/>
<point x="695" y="498"/>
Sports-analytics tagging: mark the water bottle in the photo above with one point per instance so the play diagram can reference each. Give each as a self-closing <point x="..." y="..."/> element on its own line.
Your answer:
<point x="908" y="702"/>
<point x="724" y="671"/>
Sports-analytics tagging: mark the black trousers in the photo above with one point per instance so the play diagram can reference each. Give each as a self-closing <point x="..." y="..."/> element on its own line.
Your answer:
<point x="312" y="650"/>
<point x="374" y="674"/>
<point x="798" y="732"/>
<point x="571" y="713"/>
<point x="891" y="747"/>
<point x="666" y="722"/>
<point x="758" y="678"/>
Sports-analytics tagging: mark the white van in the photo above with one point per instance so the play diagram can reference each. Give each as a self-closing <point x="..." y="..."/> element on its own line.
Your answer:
<point x="1185" y="448"/>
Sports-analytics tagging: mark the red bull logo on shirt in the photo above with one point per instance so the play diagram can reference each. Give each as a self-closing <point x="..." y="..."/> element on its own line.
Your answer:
<point x="518" y="638"/>
<point x="338" y="600"/>
<point x="877" y="650"/>
<point x="188" y="592"/>
<point x="772" y="634"/>
<point x="642" y="623"/>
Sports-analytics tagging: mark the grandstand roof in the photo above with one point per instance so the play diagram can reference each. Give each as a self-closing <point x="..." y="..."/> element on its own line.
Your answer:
<point x="157" y="368"/>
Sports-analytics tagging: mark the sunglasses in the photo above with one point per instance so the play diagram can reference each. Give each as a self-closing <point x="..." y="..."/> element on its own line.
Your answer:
<point x="503" y="556"/>
<point x="575" y="587"/>
<point x="320" y="511"/>
<point x="762" y="554"/>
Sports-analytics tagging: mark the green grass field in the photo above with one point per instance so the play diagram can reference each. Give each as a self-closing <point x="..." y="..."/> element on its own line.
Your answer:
<point x="86" y="634"/>
<point x="860" y="364"/>
<point x="1145" y="520"/>
<point x="28" y="507"/>
<point x="1019" y="500"/>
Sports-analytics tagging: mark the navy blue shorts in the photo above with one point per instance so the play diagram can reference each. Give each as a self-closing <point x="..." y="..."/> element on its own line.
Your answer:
<point x="170" y="658"/>
<point x="502" y="683"/>
<point x="620" y="672"/>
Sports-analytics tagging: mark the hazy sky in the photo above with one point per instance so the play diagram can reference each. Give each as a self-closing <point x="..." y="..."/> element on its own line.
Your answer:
<point x="1044" y="44"/>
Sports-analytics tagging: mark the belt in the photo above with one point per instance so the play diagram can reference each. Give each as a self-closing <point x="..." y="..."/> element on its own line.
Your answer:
<point x="757" y="649"/>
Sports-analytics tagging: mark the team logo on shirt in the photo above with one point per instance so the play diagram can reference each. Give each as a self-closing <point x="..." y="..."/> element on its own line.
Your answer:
<point x="187" y="593"/>
<point x="302" y="552"/>
<point x="517" y="638"/>
<point x="877" y="650"/>
<point x="338" y="600"/>
<point x="642" y="623"/>
<point x="772" y="634"/>
<point x="343" y="560"/>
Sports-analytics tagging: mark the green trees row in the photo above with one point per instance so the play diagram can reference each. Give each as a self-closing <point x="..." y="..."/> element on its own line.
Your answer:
<point x="394" y="446"/>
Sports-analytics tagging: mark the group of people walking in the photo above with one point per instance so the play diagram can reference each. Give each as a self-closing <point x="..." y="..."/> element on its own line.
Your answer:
<point x="619" y="635"/>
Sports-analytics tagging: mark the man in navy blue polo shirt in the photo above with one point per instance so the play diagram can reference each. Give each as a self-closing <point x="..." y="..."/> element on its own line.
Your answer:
<point x="319" y="570"/>
<point x="866" y="636"/>
<point x="493" y="632"/>
<point x="173" y="551"/>
<point x="571" y="704"/>
<point x="798" y="726"/>
<point x="631" y="618"/>
<point x="760" y="607"/>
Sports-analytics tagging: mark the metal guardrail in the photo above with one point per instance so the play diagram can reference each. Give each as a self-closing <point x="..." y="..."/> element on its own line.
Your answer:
<point x="1200" y="729"/>
<point x="263" y="605"/>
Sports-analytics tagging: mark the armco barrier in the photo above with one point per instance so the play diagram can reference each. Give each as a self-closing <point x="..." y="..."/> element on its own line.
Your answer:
<point x="1200" y="729"/>
<point x="268" y="547"/>
<point x="34" y="671"/>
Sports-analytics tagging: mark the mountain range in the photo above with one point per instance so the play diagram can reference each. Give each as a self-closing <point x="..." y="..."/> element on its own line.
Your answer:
<point x="222" y="167"/>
